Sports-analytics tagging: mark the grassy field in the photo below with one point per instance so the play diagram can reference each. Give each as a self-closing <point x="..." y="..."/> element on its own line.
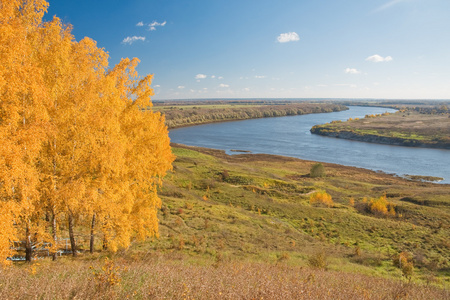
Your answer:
<point x="260" y="209"/>
<point x="407" y="128"/>
<point x="243" y="226"/>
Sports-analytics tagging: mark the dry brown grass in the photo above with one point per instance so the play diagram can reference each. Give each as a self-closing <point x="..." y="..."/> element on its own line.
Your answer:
<point x="159" y="278"/>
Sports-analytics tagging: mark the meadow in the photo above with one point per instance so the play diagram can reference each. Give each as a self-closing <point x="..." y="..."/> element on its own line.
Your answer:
<point x="244" y="226"/>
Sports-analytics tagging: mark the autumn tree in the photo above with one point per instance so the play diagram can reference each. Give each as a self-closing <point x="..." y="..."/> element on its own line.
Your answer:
<point x="147" y="157"/>
<point x="23" y="120"/>
<point x="76" y="143"/>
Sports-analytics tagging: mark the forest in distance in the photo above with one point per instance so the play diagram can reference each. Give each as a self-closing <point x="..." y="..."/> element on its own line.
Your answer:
<point x="96" y="203"/>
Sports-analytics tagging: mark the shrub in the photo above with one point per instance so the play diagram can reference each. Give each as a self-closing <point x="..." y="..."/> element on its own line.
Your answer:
<point x="351" y="201"/>
<point x="317" y="170"/>
<point x="318" y="261"/>
<point x="223" y="176"/>
<point x="381" y="206"/>
<point x="283" y="257"/>
<point x="404" y="262"/>
<point x="321" y="197"/>
<point x="108" y="276"/>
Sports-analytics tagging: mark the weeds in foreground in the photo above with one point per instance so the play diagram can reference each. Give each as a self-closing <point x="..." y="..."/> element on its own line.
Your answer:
<point x="108" y="276"/>
<point x="163" y="278"/>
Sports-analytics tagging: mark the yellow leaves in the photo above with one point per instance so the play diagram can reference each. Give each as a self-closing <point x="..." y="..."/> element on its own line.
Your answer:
<point x="8" y="212"/>
<point x="351" y="201"/>
<point x="108" y="276"/>
<point x="321" y="197"/>
<point x="404" y="261"/>
<point x="381" y="206"/>
<point x="75" y="138"/>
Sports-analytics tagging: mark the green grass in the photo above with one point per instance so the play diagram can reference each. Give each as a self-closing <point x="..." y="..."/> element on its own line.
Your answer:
<point x="250" y="232"/>
<point x="262" y="210"/>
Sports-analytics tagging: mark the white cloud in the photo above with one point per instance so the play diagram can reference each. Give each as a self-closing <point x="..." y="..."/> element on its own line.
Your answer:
<point x="377" y="58"/>
<point x="213" y="76"/>
<point x="387" y="5"/>
<point x="220" y="77"/>
<point x="140" y="24"/>
<point x="222" y="85"/>
<point x="181" y="87"/>
<point x="246" y="89"/>
<point x="200" y="76"/>
<point x="157" y="86"/>
<point x="260" y="77"/>
<point x="288" y="37"/>
<point x="351" y="85"/>
<point x="152" y="26"/>
<point x="351" y="71"/>
<point x="131" y="39"/>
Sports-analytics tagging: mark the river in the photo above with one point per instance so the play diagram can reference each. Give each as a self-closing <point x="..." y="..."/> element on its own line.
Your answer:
<point x="290" y="136"/>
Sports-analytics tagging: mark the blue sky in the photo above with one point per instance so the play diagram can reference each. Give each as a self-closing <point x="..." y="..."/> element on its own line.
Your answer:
<point x="384" y="49"/>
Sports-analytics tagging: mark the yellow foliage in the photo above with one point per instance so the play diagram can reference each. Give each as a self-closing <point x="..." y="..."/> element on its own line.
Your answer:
<point x="404" y="261"/>
<point x="381" y="206"/>
<point x="321" y="197"/>
<point x="108" y="276"/>
<point x="74" y="138"/>
<point x="351" y="201"/>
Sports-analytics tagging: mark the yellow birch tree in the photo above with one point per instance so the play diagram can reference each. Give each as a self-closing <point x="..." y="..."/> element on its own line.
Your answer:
<point x="78" y="142"/>
<point x="23" y="119"/>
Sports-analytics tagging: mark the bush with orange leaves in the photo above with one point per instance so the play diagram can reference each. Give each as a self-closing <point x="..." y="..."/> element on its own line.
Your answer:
<point x="404" y="261"/>
<point x="321" y="197"/>
<point x="381" y="206"/>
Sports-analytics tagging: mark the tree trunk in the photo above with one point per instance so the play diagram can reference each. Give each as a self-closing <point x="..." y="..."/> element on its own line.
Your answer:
<point x="54" y="236"/>
<point x="73" y="244"/>
<point x="91" y="242"/>
<point x="105" y="243"/>
<point x="28" y="249"/>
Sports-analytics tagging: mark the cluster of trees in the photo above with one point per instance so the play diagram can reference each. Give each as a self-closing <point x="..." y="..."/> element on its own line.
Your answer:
<point x="431" y="110"/>
<point x="376" y="115"/>
<point x="77" y="153"/>
<point x="192" y="116"/>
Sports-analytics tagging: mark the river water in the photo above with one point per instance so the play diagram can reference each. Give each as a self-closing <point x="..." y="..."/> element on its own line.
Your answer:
<point x="290" y="136"/>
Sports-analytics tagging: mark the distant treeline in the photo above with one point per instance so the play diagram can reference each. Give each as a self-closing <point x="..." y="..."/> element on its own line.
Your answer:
<point x="431" y="110"/>
<point x="178" y="117"/>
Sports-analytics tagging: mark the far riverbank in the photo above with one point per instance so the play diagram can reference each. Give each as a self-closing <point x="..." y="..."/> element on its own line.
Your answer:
<point x="187" y="114"/>
<point x="403" y="128"/>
